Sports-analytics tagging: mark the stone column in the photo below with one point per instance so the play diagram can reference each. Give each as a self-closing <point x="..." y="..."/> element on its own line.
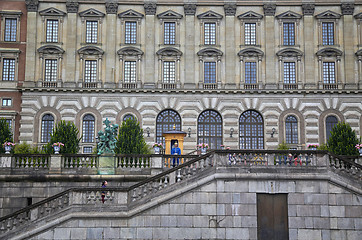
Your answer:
<point x="309" y="54"/>
<point x="111" y="25"/>
<point x="71" y="45"/>
<point x="348" y="44"/>
<point x="189" y="82"/>
<point x="31" y="38"/>
<point x="269" y="12"/>
<point x="230" y="54"/>
<point x="150" y="11"/>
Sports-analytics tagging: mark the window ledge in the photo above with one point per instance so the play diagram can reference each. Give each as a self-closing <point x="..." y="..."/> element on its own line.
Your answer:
<point x="56" y="43"/>
<point x="169" y="45"/>
<point x="209" y="45"/>
<point x="127" y="45"/>
<point x="91" y="44"/>
<point x="250" y="45"/>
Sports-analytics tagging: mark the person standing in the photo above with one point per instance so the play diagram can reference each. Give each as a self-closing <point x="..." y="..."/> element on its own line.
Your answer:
<point x="175" y="151"/>
<point x="103" y="195"/>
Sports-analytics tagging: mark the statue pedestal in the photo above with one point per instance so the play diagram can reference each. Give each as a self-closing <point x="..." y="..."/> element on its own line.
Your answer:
<point x="106" y="165"/>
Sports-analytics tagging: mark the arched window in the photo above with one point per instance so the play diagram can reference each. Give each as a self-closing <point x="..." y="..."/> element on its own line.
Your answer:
<point x="251" y="130"/>
<point x="165" y="122"/>
<point x="291" y="129"/>
<point x="88" y="128"/>
<point x="209" y="129"/>
<point x="47" y="124"/>
<point x="330" y="122"/>
<point x="129" y="116"/>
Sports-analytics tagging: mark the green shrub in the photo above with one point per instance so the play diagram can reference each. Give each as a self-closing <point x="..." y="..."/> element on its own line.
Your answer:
<point x="343" y="140"/>
<point x="283" y="146"/>
<point x="130" y="139"/>
<point x="323" y="147"/>
<point x="66" y="133"/>
<point x="5" y="134"/>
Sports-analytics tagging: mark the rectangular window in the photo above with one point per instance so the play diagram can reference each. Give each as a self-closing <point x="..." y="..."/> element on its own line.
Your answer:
<point x="328" y="33"/>
<point x="210" y="33"/>
<point x="168" y="72"/>
<point x="329" y="76"/>
<point x="169" y="33"/>
<point x="6" y="102"/>
<point x="87" y="149"/>
<point x="288" y="34"/>
<point x="91" y="35"/>
<point x="131" y="33"/>
<point x="130" y="71"/>
<point x="250" y="33"/>
<point x="10" y="123"/>
<point x="8" y="69"/>
<point x="90" y="71"/>
<point x="210" y="72"/>
<point x="52" y="30"/>
<point x="10" y="30"/>
<point x="250" y="72"/>
<point x="51" y="70"/>
<point x="289" y="73"/>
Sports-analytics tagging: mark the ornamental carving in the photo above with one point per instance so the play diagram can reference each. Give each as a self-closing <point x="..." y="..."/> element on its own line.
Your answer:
<point x="32" y="5"/>
<point x="269" y="9"/>
<point x="190" y="9"/>
<point x="230" y="9"/>
<point x="290" y="52"/>
<point x="130" y="51"/>
<point x="308" y="9"/>
<point x="329" y="52"/>
<point x="251" y="52"/>
<point x="210" y="52"/>
<point x="250" y="16"/>
<point x="51" y="50"/>
<point x="72" y="6"/>
<point x="169" y="52"/>
<point x="111" y="7"/>
<point x="347" y="8"/>
<point x="90" y="50"/>
<point x="150" y="8"/>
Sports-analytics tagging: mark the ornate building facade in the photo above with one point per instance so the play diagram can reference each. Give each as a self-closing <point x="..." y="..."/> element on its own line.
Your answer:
<point x="246" y="74"/>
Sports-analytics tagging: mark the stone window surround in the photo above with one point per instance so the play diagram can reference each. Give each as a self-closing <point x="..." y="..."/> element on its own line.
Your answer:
<point x="329" y="55"/>
<point x="11" y="54"/>
<point x="10" y="115"/>
<point x="129" y="110"/>
<point x="251" y="55"/>
<point x="290" y="55"/>
<point x="328" y="16"/>
<point x="210" y="55"/>
<point x="130" y="54"/>
<point x="10" y="14"/>
<point x="91" y="15"/>
<point x="165" y="55"/>
<point x="210" y="17"/>
<point x="250" y="17"/>
<point x="50" y="52"/>
<point x="52" y="14"/>
<point x="126" y="16"/>
<point x="82" y="128"/>
<point x="322" y="123"/>
<point x="170" y="16"/>
<point x="358" y="18"/>
<point x="301" y="127"/>
<point x="289" y="17"/>
<point x="90" y="53"/>
<point x="6" y="98"/>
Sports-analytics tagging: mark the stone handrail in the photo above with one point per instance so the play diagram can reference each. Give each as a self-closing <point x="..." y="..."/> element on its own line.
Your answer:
<point x="346" y="164"/>
<point x="169" y="159"/>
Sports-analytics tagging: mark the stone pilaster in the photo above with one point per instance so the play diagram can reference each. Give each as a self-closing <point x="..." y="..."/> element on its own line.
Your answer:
<point x="311" y="79"/>
<point x="71" y="45"/>
<point x="110" y="68"/>
<point x="150" y="70"/>
<point x="270" y="58"/>
<point x="31" y="37"/>
<point x="190" y="61"/>
<point x="230" y="56"/>
<point x="348" y="43"/>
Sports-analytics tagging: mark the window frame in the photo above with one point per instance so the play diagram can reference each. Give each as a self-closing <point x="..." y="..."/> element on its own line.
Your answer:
<point x="329" y="73"/>
<point x="88" y="134"/>
<point x="217" y="125"/>
<point x="52" y="14"/>
<point x="52" y="33"/>
<point x="10" y="71"/>
<point x="43" y="138"/>
<point x="169" y="17"/>
<point x="212" y="72"/>
<point x="289" y="18"/>
<point x="13" y="55"/>
<point x="248" y="125"/>
<point x="130" y="16"/>
<point x="53" y="70"/>
<point x="250" y="17"/>
<point x="289" y="72"/>
<point x="210" y="17"/>
<point x="328" y="124"/>
<point x="294" y="130"/>
<point x="50" y="52"/>
<point x="92" y="15"/>
<point x="132" y="71"/>
<point x="93" y="71"/>
<point x="7" y="100"/>
<point x="10" y="15"/>
<point x="328" y="17"/>
<point x="164" y="126"/>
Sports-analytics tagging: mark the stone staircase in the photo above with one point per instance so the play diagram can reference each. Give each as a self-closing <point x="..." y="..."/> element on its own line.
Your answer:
<point x="127" y="202"/>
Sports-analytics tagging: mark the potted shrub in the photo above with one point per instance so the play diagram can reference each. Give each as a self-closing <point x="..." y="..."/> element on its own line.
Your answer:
<point x="157" y="147"/>
<point x="56" y="147"/>
<point x="203" y="147"/>
<point x="8" y="146"/>
<point x="313" y="146"/>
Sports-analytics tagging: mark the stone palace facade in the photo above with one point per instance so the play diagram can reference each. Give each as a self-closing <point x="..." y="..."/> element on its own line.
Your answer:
<point x="245" y="74"/>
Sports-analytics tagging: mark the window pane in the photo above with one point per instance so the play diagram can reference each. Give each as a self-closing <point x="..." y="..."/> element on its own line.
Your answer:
<point x="250" y="33"/>
<point x="169" y="33"/>
<point x="331" y="121"/>
<point x="52" y="31"/>
<point x="328" y="33"/>
<point x="329" y="76"/>
<point x="289" y="73"/>
<point x="10" y="123"/>
<point x="51" y="70"/>
<point x="165" y="122"/>
<point x="87" y="149"/>
<point x="8" y="69"/>
<point x="250" y="72"/>
<point x="288" y="34"/>
<point x="46" y="127"/>
<point x="291" y="130"/>
<point x="7" y="102"/>
<point x="129" y="116"/>
<point x="10" y="30"/>
<point x="131" y="33"/>
<point x="251" y="130"/>
<point x="90" y="72"/>
<point x="91" y="32"/>
<point x="210" y="72"/>
<point x="209" y="129"/>
<point x="169" y="72"/>
<point x="130" y="71"/>
<point x="88" y="128"/>
<point x="210" y="33"/>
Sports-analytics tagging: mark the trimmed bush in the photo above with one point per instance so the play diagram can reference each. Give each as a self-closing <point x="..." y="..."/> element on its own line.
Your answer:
<point x="343" y="140"/>
<point x="283" y="146"/>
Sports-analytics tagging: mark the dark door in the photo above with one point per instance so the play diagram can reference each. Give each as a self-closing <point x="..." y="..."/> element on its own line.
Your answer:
<point x="272" y="216"/>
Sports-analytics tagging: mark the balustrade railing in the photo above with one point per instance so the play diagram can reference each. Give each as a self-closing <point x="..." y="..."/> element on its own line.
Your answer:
<point x="175" y="160"/>
<point x="79" y="161"/>
<point x="31" y="161"/>
<point x="133" y="161"/>
<point x="345" y="164"/>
